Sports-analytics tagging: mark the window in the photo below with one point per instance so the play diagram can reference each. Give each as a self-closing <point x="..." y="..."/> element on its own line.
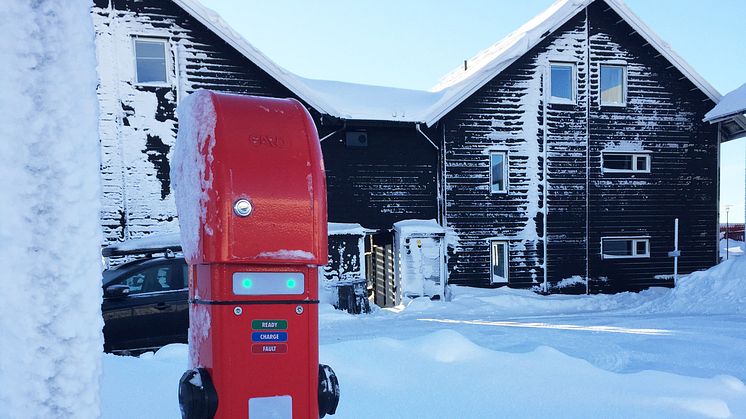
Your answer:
<point x="613" y="86"/>
<point x="150" y="61"/>
<point x="185" y="275"/>
<point x="562" y="83"/>
<point x="625" y="247"/>
<point x="625" y="162"/>
<point x="499" y="266"/>
<point x="498" y="172"/>
<point x="152" y="279"/>
<point x="356" y="139"/>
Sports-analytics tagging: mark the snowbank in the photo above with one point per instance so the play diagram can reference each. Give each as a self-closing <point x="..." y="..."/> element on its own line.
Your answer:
<point x="446" y="375"/>
<point x="191" y="176"/>
<point x="720" y="289"/>
<point x="731" y="248"/>
<point x="144" y="387"/>
<point x="50" y="237"/>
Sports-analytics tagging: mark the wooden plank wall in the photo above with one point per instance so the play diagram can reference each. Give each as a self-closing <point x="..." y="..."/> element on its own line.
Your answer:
<point x="392" y="179"/>
<point x="663" y="115"/>
<point x="138" y="123"/>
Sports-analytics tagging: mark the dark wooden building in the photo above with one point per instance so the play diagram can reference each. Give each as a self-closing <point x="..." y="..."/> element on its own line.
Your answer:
<point x="598" y="127"/>
<point x="559" y="157"/>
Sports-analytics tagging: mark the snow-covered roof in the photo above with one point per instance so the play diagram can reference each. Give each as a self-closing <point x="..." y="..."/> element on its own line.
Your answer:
<point x="372" y="103"/>
<point x="148" y="243"/>
<point x="409" y="227"/>
<point x="220" y="27"/>
<point x="732" y="104"/>
<point x="460" y="84"/>
<point x="348" y="228"/>
<point x="364" y="102"/>
<point x="339" y="99"/>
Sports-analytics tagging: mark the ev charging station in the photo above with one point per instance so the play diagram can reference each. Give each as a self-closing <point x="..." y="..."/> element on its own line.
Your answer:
<point x="253" y="274"/>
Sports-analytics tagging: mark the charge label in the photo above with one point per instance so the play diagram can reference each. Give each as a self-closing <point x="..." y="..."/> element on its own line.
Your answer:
<point x="259" y="348"/>
<point x="269" y="336"/>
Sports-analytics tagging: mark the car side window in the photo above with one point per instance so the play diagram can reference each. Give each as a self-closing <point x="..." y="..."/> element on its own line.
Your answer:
<point x="185" y="275"/>
<point x="153" y="279"/>
<point x="178" y="280"/>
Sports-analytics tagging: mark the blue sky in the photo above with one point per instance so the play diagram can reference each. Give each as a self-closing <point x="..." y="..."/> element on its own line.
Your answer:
<point x="412" y="44"/>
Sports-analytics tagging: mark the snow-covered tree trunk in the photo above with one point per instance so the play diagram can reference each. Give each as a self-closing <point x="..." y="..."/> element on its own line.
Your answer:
<point x="50" y="313"/>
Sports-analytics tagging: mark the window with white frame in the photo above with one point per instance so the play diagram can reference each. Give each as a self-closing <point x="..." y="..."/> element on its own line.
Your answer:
<point x="562" y="83"/>
<point x="613" y="85"/>
<point x="499" y="265"/>
<point x="151" y="60"/>
<point x="616" y="162"/>
<point x="498" y="172"/>
<point x="625" y="247"/>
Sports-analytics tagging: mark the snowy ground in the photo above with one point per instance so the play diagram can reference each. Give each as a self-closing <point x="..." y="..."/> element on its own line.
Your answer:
<point x="507" y="353"/>
<point x="734" y="248"/>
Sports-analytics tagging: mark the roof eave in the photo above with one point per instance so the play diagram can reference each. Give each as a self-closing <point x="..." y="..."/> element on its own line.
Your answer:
<point x="281" y="75"/>
<point x="664" y="49"/>
<point x="633" y="20"/>
<point x="436" y="114"/>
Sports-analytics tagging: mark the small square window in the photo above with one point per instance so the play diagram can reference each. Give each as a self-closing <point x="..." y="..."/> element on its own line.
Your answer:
<point x="499" y="265"/>
<point x="150" y="61"/>
<point x="498" y="172"/>
<point x="356" y="139"/>
<point x="562" y="83"/>
<point x="612" y="85"/>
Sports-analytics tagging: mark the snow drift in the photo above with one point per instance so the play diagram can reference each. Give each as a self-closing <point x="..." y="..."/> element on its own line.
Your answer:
<point x="50" y="237"/>
<point x="720" y="289"/>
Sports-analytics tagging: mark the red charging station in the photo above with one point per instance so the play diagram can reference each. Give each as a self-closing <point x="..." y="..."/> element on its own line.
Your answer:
<point x="253" y="280"/>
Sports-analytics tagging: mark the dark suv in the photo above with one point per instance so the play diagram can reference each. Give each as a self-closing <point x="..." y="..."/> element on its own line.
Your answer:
<point x="145" y="301"/>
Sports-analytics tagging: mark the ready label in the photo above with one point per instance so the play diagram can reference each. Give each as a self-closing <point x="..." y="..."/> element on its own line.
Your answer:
<point x="269" y="324"/>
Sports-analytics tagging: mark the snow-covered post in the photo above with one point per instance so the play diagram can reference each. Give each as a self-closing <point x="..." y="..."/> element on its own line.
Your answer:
<point x="50" y="237"/>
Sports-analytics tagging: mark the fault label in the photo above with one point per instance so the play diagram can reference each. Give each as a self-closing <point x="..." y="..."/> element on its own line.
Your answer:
<point x="269" y="336"/>
<point x="269" y="324"/>
<point x="279" y="348"/>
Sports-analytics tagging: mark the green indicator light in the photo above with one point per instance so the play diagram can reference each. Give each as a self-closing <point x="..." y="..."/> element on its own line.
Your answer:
<point x="291" y="283"/>
<point x="247" y="283"/>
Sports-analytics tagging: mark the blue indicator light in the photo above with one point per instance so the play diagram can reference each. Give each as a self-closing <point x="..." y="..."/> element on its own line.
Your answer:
<point x="291" y="283"/>
<point x="247" y="283"/>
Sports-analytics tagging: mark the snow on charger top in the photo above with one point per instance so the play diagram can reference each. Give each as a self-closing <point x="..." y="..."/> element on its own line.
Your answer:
<point x="263" y="150"/>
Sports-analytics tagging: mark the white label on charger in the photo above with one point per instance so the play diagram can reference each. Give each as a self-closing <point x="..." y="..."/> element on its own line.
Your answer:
<point x="277" y="407"/>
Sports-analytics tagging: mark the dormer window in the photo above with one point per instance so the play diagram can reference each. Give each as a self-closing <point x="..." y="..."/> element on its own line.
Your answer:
<point x="151" y="66"/>
<point x="562" y="83"/>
